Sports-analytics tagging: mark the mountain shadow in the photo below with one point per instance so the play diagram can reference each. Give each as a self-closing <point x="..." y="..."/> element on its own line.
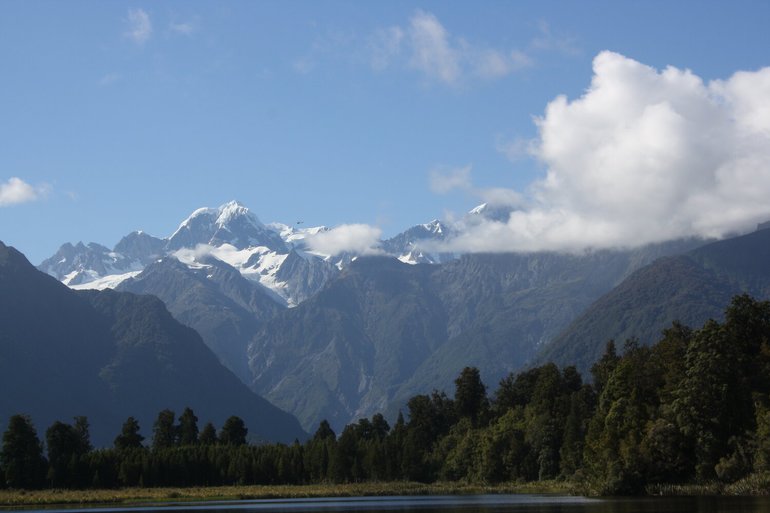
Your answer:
<point x="109" y="355"/>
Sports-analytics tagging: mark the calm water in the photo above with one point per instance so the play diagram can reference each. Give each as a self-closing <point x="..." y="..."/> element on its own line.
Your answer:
<point x="459" y="504"/>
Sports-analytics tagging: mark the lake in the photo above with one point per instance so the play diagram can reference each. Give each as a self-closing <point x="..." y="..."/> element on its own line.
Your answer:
<point x="457" y="504"/>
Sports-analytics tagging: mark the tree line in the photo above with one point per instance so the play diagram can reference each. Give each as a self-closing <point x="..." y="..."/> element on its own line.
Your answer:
<point x="693" y="407"/>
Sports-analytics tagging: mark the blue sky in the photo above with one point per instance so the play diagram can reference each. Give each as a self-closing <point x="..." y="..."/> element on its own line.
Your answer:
<point x="117" y="116"/>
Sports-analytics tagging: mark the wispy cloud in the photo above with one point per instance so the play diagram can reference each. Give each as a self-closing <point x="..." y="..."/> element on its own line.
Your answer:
<point x="445" y="181"/>
<point x="432" y="52"/>
<point x="516" y="149"/>
<point x="550" y="40"/>
<point x="184" y="28"/>
<point x="643" y="156"/>
<point x="16" y="191"/>
<point x="424" y="44"/>
<point x="384" y="47"/>
<point x="492" y="64"/>
<point x="139" y="26"/>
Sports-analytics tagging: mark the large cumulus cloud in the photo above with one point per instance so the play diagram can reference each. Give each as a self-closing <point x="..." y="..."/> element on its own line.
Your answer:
<point x="642" y="156"/>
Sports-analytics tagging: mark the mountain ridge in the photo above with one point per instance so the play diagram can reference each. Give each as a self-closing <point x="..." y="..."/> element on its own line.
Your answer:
<point x="108" y="355"/>
<point x="690" y="288"/>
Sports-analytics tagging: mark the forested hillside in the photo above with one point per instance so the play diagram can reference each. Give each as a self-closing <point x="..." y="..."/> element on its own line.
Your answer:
<point x="692" y="408"/>
<point x="690" y="288"/>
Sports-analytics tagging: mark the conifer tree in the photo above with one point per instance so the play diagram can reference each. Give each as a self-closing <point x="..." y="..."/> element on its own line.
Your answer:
<point x="208" y="435"/>
<point x="233" y="431"/>
<point x="164" y="432"/>
<point x="21" y="456"/>
<point x="63" y="443"/>
<point x="188" y="428"/>
<point x="471" y="395"/>
<point x="129" y="437"/>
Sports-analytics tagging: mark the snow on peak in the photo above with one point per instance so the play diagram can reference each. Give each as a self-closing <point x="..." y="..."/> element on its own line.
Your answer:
<point x="434" y="226"/>
<point x="205" y="211"/>
<point x="479" y="209"/>
<point x="294" y="235"/>
<point x="222" y="216"/>
<point x="234" y="210"/>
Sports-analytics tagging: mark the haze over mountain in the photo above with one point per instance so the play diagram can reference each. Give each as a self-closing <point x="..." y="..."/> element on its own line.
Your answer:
<point x="110" y="355"/>
<point x="690" y="288"/>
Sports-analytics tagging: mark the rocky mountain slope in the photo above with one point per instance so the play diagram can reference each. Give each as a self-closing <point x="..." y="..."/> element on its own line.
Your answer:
<point x="384" y="331"/>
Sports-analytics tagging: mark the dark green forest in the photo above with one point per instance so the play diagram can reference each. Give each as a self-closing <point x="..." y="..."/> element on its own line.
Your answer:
<point x="693" y="408"/>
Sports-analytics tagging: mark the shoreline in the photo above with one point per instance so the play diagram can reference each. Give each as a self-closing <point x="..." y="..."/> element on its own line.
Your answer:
<point x="753" y="485"/>
<point x="141" y="496"/>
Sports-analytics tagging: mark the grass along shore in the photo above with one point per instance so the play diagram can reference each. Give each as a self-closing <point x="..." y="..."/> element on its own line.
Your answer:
<point x="124" y="496"/>
<point x="754" y="484"/>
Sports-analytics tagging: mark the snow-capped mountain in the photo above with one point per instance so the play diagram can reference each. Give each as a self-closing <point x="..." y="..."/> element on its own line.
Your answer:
<point x="232" y="224"/>
<point x="274" y="255"/>
<point x="413" y="245"/>
<point x="499" y="213"/>
<point x="81" y="264"/>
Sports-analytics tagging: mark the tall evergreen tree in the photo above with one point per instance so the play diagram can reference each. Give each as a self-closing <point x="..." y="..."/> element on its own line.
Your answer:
<point x="83" y="431"/>
<point x="164" y="432"/>
<point x="129" y="437"/>
<point x="63" y="443"/>
<point x="471" y="395"/>
<point x="602" y="369"/>
<point x="208" y="435"/>
<point x="324" y="432"/>
<point x="233" y="431"/>
<point x="188" y="428"/>
<point x="21" y="456"/>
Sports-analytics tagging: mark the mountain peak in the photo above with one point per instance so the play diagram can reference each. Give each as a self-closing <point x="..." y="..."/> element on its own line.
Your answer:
<point x="234" y="210"/>
<point x="478" y="209"/>
<point x="434" y="226"/>
<point x="231" y="223"/>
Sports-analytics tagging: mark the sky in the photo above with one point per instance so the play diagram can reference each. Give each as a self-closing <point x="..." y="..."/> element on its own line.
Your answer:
<point x="600" y="124"/>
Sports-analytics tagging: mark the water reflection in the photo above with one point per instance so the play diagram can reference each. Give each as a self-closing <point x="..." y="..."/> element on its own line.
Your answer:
<point x="457" y="504"/>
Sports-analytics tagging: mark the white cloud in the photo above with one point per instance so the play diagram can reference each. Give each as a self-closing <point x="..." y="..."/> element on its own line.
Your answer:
<point x="16" y="191"/>
<point x="445" y="181"/>
<point x="361" y="239"/>
<point x="425" y="45"/>
<point x="432" y="52"/>
<point x="643" y="156"/>
<point x="193" y="256"/>
<point x="139" y="26"/>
